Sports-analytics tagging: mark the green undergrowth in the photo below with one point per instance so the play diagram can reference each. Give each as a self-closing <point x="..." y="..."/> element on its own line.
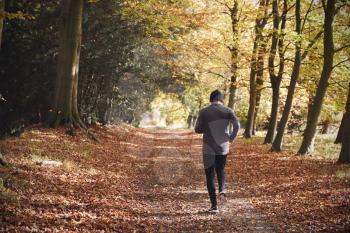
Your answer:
<point x="324" y="144"/>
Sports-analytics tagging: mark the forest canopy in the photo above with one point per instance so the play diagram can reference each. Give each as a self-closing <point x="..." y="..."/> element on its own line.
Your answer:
<point x="282" y="65"/>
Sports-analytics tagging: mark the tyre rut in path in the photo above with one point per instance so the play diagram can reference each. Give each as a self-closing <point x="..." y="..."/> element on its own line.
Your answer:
<point x="172" y="189"/>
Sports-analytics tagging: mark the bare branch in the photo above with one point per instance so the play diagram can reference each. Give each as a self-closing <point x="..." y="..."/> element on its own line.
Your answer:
<point x="339" y="83"/>
<point x="311" y="43"/>
<point x="341" y="48"/>
<point x="217" y="74"/>
<point x="307" y="13"/>
<point x="339" y="63"/>
<point x="224" y="4"/>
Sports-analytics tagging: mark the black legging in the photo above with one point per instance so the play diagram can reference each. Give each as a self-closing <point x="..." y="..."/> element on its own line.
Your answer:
<point x="219" y="167"/>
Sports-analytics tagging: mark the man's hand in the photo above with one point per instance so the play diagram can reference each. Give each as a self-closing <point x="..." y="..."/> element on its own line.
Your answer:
<point x="235" y="125"/>
<point x="231" y="139"/>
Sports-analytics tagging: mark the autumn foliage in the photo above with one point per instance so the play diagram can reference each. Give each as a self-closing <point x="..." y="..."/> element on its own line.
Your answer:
<point x="138" y="180"/>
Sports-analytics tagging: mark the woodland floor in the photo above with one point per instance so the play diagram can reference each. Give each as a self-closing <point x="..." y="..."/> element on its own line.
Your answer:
<point x="152" y="180"/>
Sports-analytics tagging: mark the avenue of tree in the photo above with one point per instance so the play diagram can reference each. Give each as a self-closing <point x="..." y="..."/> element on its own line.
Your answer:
<point x="283" y="64"/>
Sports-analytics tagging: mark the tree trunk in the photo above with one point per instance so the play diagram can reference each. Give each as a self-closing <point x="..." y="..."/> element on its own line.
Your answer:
<point x="276" y="80"/>
<point x="274" y="112"/>
<point x="106" y="100"/>
<point x="194" y="121"/>
<point x="234" y="55"/>
<point x="277" y="142"/>
<point x="2" y="11"/>
<point x="259" y="26"/>
<point x="339" y="135"/>
<point x="64" y="109"/>
<point x="311" y="125"/>
<point x="344" y="156"/>
<point x="189" y="121"/>
<point x="259" y="82"/>
<point x="325" y="127"/>
<point x="250" y="117"/>
<point x="233" y="91"/>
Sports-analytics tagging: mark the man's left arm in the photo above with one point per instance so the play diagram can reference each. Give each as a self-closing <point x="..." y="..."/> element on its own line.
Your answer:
<point x="235" y="125"/>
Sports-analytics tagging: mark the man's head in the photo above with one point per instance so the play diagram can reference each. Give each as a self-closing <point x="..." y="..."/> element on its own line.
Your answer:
<point x="216" y="96"/>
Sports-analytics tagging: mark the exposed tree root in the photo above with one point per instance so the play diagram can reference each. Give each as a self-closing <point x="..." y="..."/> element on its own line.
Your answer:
<point x="72" y="123"/>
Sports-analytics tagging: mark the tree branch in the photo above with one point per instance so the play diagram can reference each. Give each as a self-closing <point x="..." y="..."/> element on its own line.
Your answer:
<point x="224" y="4"/>
<point x="307" y="13"/>
<point x="341" y="48"/>
<point x="312" y="42"/>
<point x="339" y="63"/>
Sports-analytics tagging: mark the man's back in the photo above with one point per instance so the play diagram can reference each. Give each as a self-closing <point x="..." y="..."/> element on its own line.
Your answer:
<point x="213" y="121"/>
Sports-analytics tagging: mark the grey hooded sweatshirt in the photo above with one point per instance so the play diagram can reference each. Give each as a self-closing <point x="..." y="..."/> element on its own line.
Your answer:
<point x="214" y="123"/>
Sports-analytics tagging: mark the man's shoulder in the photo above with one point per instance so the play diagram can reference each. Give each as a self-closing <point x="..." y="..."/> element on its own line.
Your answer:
<point x="223" y="108"/>
<point x="216" y="111"/>
<point x="227" y="109"/>
<point x="204" y="110"/>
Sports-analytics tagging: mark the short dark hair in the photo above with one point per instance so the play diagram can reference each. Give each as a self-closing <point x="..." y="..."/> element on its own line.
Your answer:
<point x="216" y="96"/>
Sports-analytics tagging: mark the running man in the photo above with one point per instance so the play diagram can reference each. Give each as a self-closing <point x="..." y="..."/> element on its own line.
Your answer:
<point x="214" y="123"/>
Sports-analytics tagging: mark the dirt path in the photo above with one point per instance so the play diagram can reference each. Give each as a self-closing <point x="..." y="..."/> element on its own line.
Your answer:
<point x="138" y="180"/>
<point x="172" y="188"/>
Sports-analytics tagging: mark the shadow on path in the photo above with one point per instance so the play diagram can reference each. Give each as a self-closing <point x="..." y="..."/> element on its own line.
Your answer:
<point x="172" y="188"/>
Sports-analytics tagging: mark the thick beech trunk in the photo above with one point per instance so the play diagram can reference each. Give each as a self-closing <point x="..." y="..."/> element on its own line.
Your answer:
<point x="64" y="108"/>
<point x="344" y="156"/>
<point x="259" y="26"/>
<point x="277" y="142"/>
<point x="234" y="55"/>
<point x="2" y="11"/>
<point x="277" y="40"/>
<point x="310" y="130"/>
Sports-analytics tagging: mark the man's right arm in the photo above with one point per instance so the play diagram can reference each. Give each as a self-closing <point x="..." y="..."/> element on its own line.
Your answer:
<point x="199" y="128"/>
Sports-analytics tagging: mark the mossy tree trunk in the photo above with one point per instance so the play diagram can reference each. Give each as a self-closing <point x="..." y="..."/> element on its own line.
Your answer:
<point x="64" y="109"/>
<point x="310" y="130"/>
